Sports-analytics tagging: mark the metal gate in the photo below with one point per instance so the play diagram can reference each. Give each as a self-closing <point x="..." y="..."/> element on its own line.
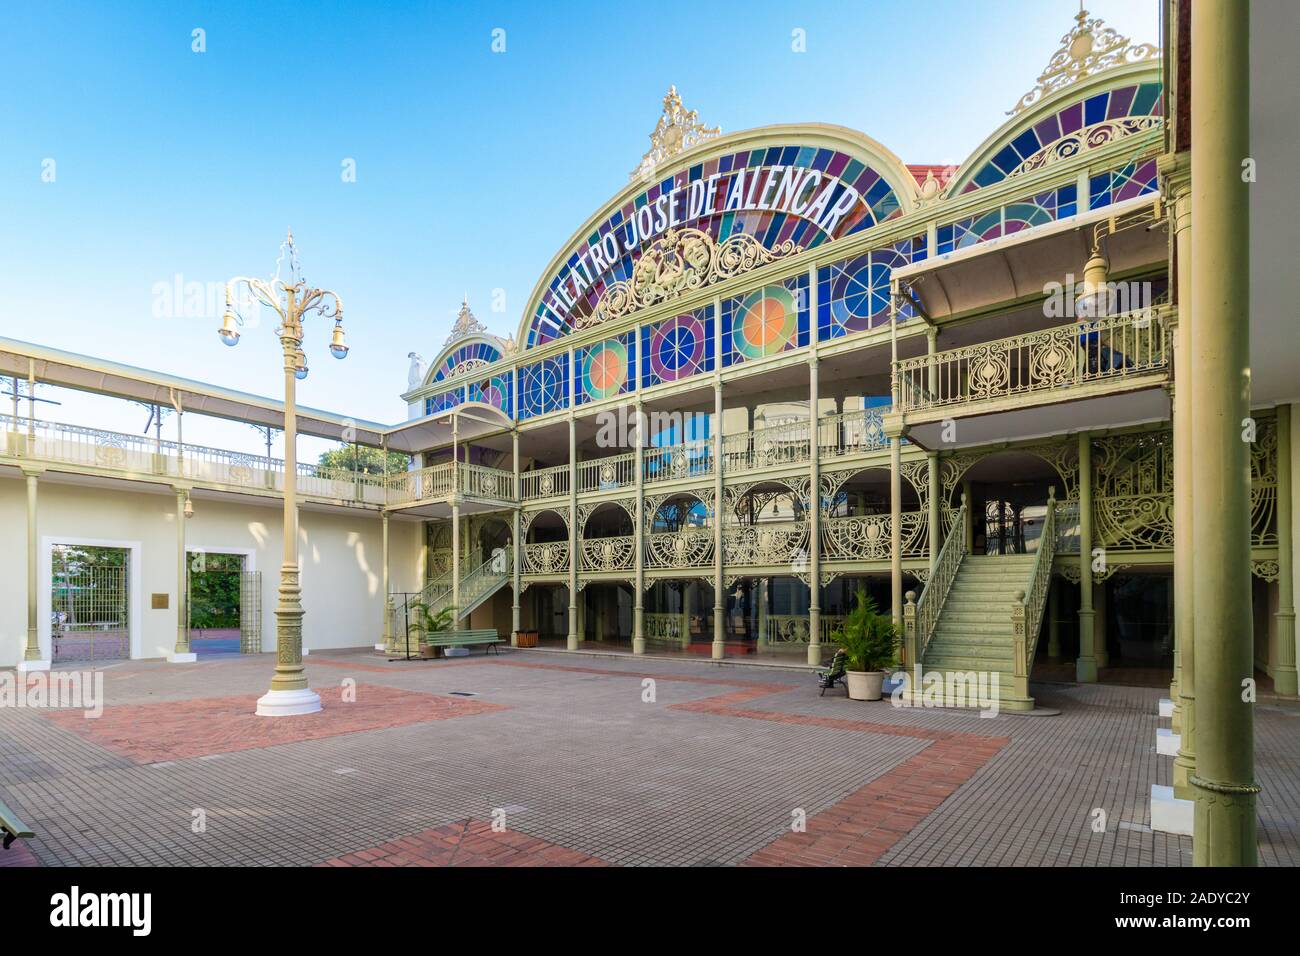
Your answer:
<point x="250" y="612"/>
<point x="89" y="606"/>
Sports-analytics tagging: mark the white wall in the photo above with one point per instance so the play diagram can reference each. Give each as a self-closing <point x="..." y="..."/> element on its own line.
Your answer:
<point x="340" y="555"/>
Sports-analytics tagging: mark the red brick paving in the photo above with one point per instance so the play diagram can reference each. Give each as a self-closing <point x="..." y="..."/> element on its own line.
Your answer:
<point x="175" y="730"/>
<point x="466" y="843"/>
<point x="18" y="855"/>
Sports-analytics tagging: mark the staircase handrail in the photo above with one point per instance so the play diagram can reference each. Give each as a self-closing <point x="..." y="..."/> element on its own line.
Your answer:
<point x="1027" y="612"/>
<point x="920" y="617"/>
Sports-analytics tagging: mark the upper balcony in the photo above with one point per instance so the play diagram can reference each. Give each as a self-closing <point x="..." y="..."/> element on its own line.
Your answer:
<point x="763" y="450"/>
<point x="108" y="454"/>
<point x="1090" y="373"/>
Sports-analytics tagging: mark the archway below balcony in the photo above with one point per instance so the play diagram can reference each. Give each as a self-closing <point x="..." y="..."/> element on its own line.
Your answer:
<point x="1007" y="495"/>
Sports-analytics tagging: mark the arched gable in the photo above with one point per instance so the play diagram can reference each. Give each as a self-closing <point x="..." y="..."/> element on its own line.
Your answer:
<point x="769" y="192"/>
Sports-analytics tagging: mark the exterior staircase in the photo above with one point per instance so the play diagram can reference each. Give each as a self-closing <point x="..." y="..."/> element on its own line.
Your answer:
<point x="979" y="616"/>
<point x="975" y="630"/>
<point x="476" y="586"/>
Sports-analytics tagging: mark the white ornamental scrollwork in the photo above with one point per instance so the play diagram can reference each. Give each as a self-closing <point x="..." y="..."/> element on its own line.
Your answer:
<point x="766" y="544"/>
<point x="616" y="553"/>
<point x="687" y="548"/>
<point x="1088" y="48"/>
<point x="681" y="261"/>
<point x="546" y="558"/>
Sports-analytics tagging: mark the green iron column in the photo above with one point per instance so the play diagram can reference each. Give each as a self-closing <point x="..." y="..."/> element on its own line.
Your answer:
<point x="181" y="654"/>
<point x="574" y="597"/>
<point x="1224" y="780"/>
<point x="719" y="648"/>
<point x="515" y="547"/>
<point x="1085" y="668"/>
<point x="638" y="536"/>
<point x="814" y="520"/>
<point x="1284" y="674"/>
<point x="32" y="660"/>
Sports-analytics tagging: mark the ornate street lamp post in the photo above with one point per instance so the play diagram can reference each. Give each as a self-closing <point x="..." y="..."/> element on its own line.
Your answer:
<point x="291" y="298"/>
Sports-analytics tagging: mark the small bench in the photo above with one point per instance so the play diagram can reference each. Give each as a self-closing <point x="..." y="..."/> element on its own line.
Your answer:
<point x="487" y="637"/>
<point x="13" y="827"/>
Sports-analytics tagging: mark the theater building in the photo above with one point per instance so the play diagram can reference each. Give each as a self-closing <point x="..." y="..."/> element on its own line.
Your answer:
<point x="784" y="365"/>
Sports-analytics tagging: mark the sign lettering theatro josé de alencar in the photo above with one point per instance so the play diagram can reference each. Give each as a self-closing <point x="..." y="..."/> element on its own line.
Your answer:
<point x="810" y="194"/>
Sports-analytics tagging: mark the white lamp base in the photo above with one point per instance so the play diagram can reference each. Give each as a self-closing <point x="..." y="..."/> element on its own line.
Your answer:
<point x="288" y="703"/>
<point x="182" y="658"/>
<point x="1169" y="814"/>
<point x="33" y="666"/>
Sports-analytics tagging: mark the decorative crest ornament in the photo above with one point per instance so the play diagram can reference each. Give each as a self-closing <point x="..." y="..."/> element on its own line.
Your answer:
<point x="678" y="262"/>
<point x="1087" y="49"/>
<point x="678" y="129"/>
<point x="465" y="324"/>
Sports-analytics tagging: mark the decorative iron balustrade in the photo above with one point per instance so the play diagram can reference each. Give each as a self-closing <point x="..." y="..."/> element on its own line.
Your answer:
<point x="920" y="617"/>
<point x="137" y="455"/>
<point x="421" y="484"/>
<point x="479" y="481"/>
<point x="851" y="433"/>
<point x="1027" y="614"/>
<point x="793" y="628"/>
<point x="663" y="628"/>
<point x="784" y="444"/>
<point x="868" y="538"/>
<point x="547" y="557"/>
<point x="686" y="548"/>
<point x="1112" y="348"/>
<point x="545" y="483"/>
<point x="766" y="544"/>
<point x="692" y="459"/>
<point x="615" y="553"/>
<point x="605" y="474"/>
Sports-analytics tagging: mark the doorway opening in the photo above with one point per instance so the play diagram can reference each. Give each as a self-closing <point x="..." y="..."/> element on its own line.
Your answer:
<point x="89" y="603"/>
<point x="224" y="602"/>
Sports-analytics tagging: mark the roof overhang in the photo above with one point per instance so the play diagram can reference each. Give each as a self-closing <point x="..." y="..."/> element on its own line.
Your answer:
<point x="468" y="421"/>
<point x="1020" y="265"/>
<point x="85" y="373"/>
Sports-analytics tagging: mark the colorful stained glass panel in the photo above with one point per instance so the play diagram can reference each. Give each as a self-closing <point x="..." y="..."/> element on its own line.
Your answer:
<point x="677" y="348"/>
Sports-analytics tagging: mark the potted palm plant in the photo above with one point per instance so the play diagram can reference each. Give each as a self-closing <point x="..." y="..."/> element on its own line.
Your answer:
<point x="867" y="637"/>
<point x="427" y="622"/>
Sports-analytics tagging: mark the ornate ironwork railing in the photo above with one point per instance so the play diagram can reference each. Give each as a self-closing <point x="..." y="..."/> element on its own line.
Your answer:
<point x="793" y="628"/>
<point x="686" y="548"/>
<point x="480" y="481"/>
<point x="614" y="553"/>
<point x="601" y="474"/>
<point x="868" y="538"/>
<point x="421" y="484"/>
<point x="920" y="617"/>
<point x="483" y="580"/>
<point x="1027" y="612"/>
<point x="140" y="455"/>
<point x="544" y="483"/>
<point x="767" y="543"/>
<point x="1109" y="348"/>
<point x="784" y="444"/>
<point x="692" y="459"/>
<point x="851" y="433"/>
<point x="663" y="628"/>
<point x="547" y="557"/>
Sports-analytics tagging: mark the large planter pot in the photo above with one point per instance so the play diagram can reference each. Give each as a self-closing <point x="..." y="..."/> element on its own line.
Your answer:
<point x="428" y="651"/>
<point x="865" y="685"/>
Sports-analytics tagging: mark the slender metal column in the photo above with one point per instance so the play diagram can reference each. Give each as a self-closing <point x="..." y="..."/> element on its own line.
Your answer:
<point x="574" y="597"/>
<point x="32" y="660"/>
<point x="455" y="555"/>
<point x="1224" y="781"/>
<point x="1284" y="673"/>
<point x="719" y="600"/>
<point x="182" y="649"/>
<point x="1085" y="668"/>
<point x="1183" y="688"/>
<point x="1099" y="648"/>
<point x="516" y="546"/>
<point x="935" y="518"/>
<point x="386" y="625"/>
<point x="638" y="597"/>
<point x="896" y="531"/>
<point x="1053" y="622"/>
<point x="814" y="521"/>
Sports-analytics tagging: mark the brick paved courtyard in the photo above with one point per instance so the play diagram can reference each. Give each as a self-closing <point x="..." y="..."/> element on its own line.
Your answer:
<point x="581" y="770"/>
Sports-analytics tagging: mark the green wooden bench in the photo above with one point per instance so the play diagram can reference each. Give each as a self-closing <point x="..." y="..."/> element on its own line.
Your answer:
<point x="486" y="636"/>
<point x="13" y="827"/>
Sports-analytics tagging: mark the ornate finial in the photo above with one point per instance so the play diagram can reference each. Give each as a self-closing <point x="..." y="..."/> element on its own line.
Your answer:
<point x="1088" y="48"/>
<point x="678" y="129"/>
<point x="465" y="324"/>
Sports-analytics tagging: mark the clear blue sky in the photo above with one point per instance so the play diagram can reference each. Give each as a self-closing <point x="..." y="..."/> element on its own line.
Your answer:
<point x="473" y="167"/>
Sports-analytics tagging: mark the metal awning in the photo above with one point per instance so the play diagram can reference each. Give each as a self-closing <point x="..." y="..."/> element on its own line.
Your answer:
<point x="1019" y="265"/>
